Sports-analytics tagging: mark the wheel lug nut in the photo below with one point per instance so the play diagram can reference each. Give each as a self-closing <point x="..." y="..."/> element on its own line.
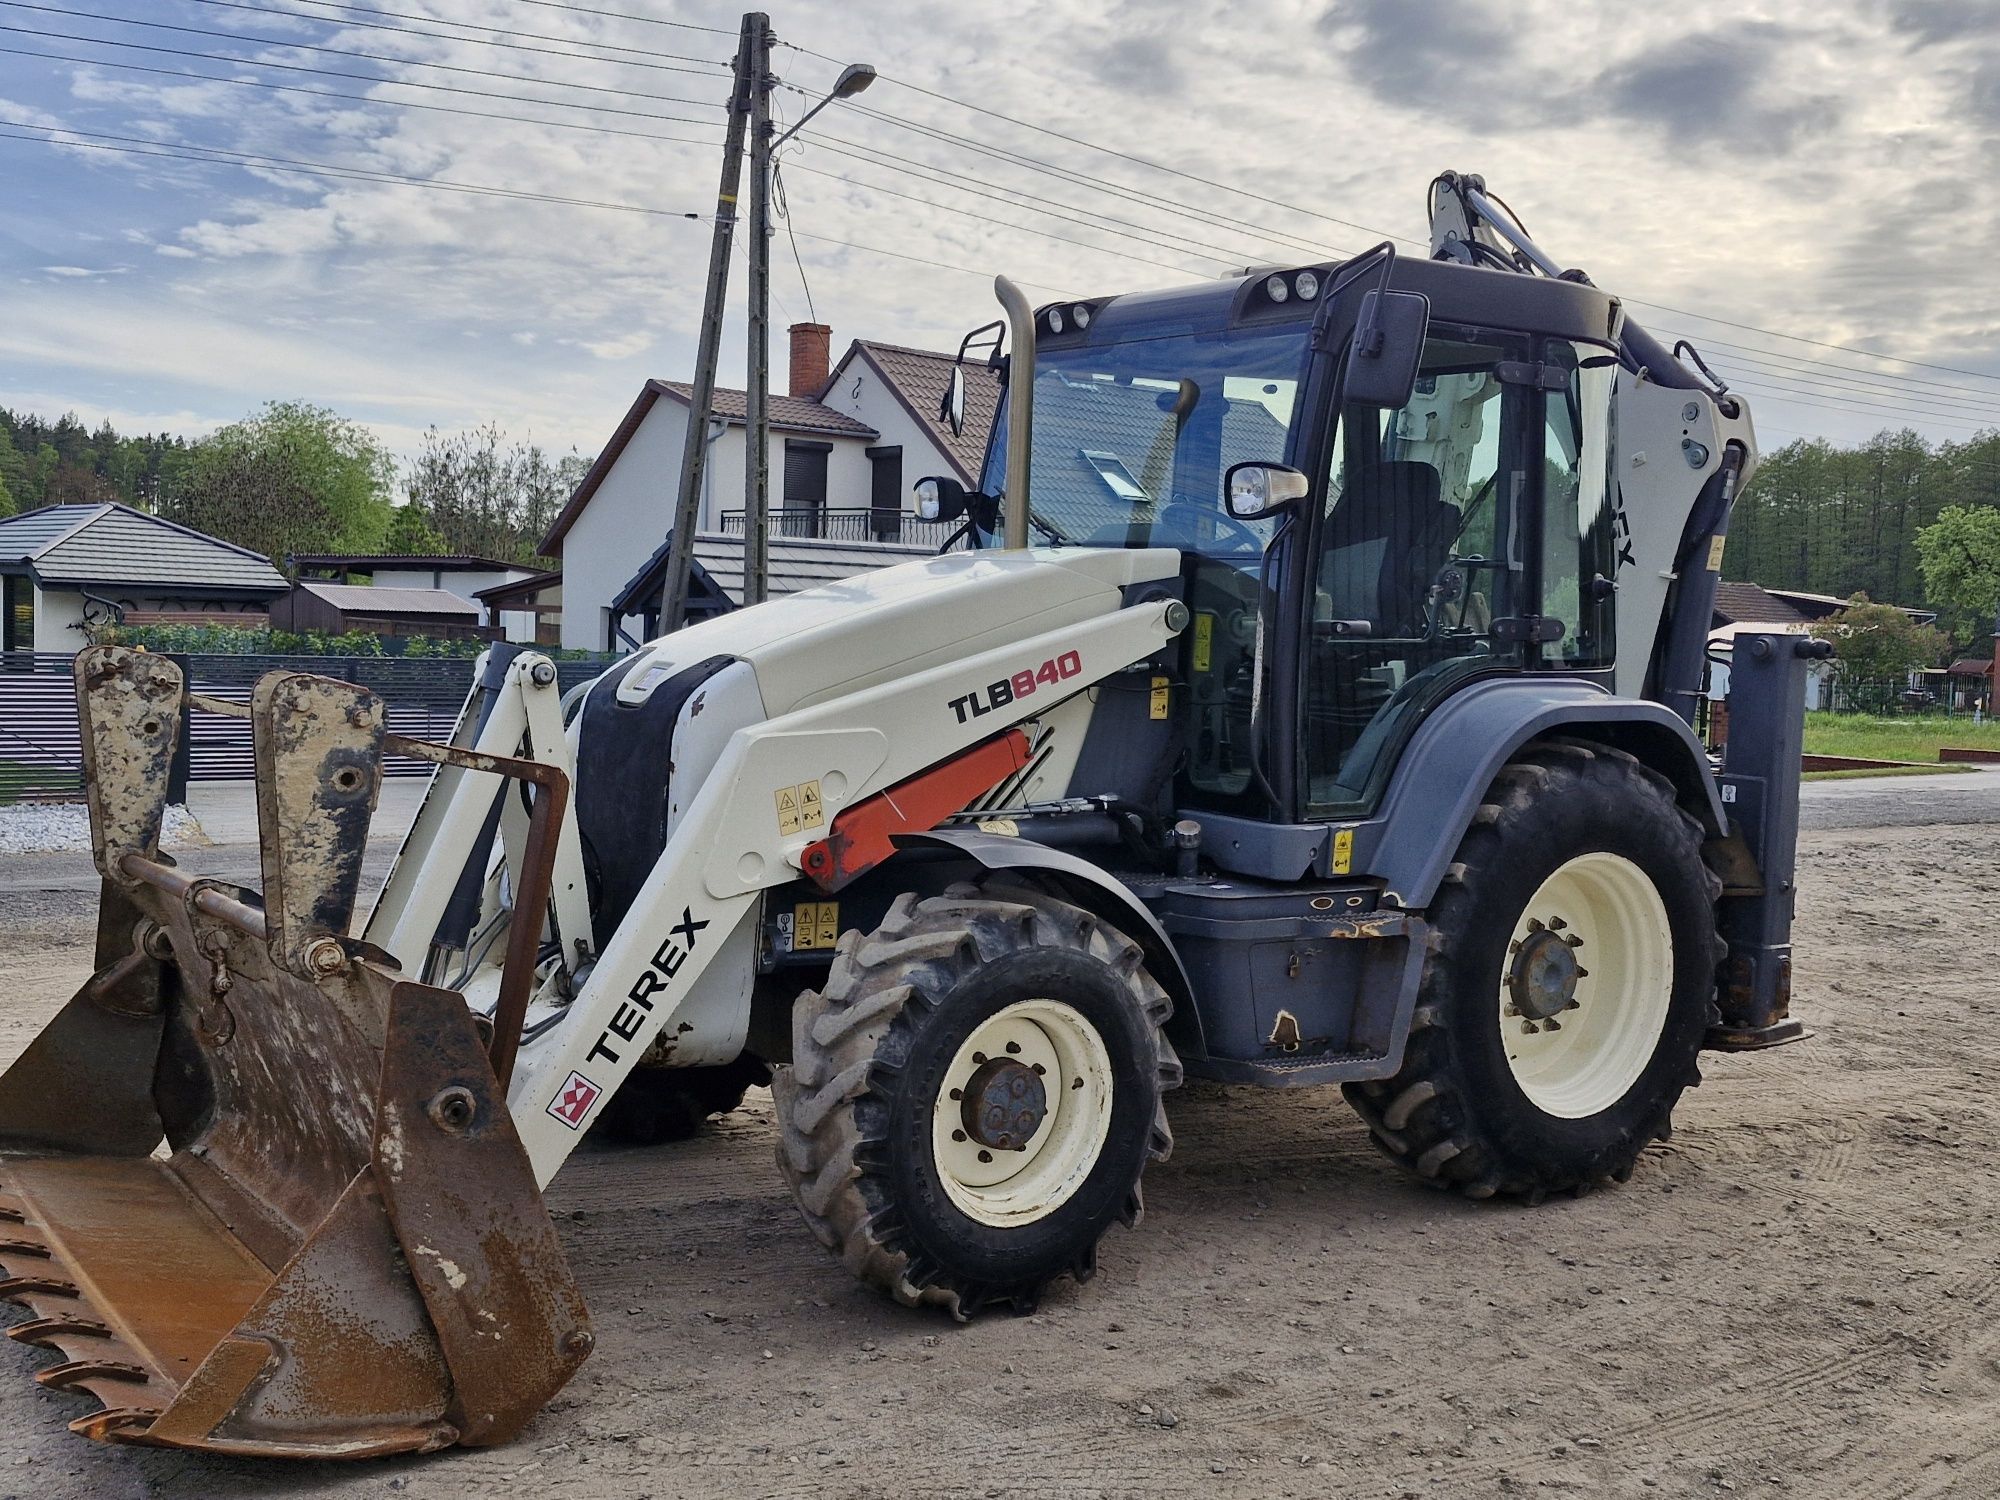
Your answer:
<point x="986" y="1156"/>
<point x="958" y="1135"/>
<point x="1014" y="1047"/>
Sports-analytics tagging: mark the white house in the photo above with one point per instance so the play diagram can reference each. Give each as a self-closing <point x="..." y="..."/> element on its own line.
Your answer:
<point x="846" y="446"/>
<point x="467" y="577"/>
<point x="61" y="565"/>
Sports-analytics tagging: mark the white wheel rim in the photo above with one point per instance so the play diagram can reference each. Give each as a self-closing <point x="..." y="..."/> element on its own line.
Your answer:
<point x="1609" y="989"/>
<point x="1006" y="1187"/>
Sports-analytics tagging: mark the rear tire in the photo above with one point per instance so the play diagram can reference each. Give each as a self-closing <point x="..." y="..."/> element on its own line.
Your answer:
<point x="1570" y="982"/>
<point x="657" y="1105"/>
<point x="986" y="993"/>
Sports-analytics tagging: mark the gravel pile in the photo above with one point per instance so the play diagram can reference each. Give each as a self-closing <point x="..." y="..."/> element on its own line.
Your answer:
<point x="64" y="827"/>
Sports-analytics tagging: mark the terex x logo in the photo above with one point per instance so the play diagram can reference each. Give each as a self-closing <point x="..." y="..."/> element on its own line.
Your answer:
<point x="638" y="1002"/>
<point x="982" y="701"/>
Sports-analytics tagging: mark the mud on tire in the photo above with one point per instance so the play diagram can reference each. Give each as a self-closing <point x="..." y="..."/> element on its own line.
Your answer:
<point x="870" y="1058"/>
<point x="1455" y="1114"/>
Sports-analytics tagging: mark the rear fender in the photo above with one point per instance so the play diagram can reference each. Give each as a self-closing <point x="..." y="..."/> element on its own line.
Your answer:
<point x="1103" y="895"/>
<point x="1455" y="754"/>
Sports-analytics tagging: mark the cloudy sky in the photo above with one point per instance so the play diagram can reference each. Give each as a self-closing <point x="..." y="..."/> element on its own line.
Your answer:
<point x="1817" y="168"/>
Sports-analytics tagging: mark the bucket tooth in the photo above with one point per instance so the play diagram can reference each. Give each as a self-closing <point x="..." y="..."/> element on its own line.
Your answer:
<point x="75" y="1372"/>
<point x="47" y="1333"/>
<point x="116" y="1424"/>
<point x="20" y="1288"/>
<point x="33" y="1249"/>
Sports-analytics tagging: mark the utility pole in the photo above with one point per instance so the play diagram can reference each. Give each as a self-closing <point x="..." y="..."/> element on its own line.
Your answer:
<point x="757" y="406"/>
<point x="752" y="55"/>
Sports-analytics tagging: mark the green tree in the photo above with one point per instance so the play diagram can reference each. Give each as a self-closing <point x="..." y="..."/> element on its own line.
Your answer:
<point x="290" y="478"/>
<point x="1880" y="643"/>
<point x="489" y="497"/>
<point x="7" y="505"/>
<point x="1960" y="555"/>
<point x="411" y="533"/>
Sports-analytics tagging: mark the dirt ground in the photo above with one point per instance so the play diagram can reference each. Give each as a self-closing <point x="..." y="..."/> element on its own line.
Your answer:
<point x="1795" y="1296"/>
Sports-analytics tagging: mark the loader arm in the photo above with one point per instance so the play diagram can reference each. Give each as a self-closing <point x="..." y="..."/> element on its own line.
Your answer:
<point x="730" y="845"/>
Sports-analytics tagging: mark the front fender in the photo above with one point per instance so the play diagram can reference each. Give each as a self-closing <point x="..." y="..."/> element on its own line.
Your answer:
<point x="1453" y="757"/>
<point x="1103" y="895"/>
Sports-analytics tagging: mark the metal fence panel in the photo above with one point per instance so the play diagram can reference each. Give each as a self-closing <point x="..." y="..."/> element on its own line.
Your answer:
<point x="41" y="754"/>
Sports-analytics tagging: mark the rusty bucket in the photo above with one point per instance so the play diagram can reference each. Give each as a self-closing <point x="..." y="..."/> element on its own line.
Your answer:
<point x="259" y="1193"/>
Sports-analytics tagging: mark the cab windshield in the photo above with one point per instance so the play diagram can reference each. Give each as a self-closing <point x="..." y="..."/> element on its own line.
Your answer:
<point x="1132" y="439"/>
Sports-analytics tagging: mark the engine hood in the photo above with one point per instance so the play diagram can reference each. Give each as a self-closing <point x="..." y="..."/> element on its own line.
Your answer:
<point x="877" y="626"/>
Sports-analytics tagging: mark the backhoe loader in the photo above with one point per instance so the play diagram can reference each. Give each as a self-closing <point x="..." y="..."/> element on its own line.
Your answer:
<point x="1309" y="705"/>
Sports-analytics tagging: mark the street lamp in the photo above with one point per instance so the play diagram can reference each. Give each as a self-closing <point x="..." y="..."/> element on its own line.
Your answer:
<point x="853" y="79"/>
<point x="757" y="416"/>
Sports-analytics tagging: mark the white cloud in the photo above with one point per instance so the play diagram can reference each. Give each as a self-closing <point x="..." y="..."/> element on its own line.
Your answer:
<point x="1827" y="197"/>
<point x="622" y="347"/>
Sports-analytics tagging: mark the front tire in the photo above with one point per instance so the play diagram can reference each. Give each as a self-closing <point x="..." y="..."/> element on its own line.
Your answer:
<point x="1570" y="984"/>
<point x="974" y="1095"/>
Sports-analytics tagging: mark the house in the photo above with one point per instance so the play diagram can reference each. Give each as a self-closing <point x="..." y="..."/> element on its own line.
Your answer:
<point x="341" y="608"/>
<point x="539" y="596"/>
<point x="846" y="447"/>
<point x="1968" y="684"/>
<point x="62" y="566"/>
<point x="715" y="583"/>
<point x="1747" y="607"/>
<point x="467" y="577"/>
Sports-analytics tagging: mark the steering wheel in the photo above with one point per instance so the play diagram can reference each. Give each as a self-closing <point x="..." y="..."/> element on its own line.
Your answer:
<point x="1202" y="522"/>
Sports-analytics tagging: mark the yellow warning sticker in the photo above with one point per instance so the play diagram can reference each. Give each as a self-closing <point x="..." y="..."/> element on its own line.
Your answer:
<point x="1715" y="554"/>
<point x="1204" y="640"/>
<point x="788" y="809"/>
<point x="1343" y="851"/>
<point x="809" y="812"/>
<point x="1161" y="697"/>
<point x="1005" y="827"/>
<point x="815" y="924"/>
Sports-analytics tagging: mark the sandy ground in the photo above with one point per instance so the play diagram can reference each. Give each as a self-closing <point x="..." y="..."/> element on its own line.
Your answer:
<point x="1795" y="1296"/>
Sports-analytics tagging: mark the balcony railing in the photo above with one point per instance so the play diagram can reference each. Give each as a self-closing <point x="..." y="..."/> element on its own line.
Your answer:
<point x="844" y="525"/>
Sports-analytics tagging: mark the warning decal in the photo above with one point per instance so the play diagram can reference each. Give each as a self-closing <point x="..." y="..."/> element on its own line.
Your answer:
<point x="815" y="924"/>
<point x="1343" y="851"/>
<point x="572" y="1102"/>
<point x="799" y="808"/>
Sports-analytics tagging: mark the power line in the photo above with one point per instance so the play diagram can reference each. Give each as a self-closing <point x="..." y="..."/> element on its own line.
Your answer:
<point x="784" y="211"/>
<point x="619" y="15"/>
<point x="917" y="88"/>
<point x="1348" y="223"/>
<point x="449" y="109"/>
<point x="216" y="157"/>
<point x="224" y="156"/>
<point x="981" y="188"/>
<point x="1315" y="250"/>
<point x="403" y="62"/>
<point x="1803" y="379"/>
<point x="966" y="213"/>
<point x="442" y="36"/>
<point x="533" y="36"/>
<point x="399" y="83"/>
<point x="1806" y="360"/>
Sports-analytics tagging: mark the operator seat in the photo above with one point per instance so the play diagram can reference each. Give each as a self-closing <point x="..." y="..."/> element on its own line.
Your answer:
<point x="1388" y="536"/>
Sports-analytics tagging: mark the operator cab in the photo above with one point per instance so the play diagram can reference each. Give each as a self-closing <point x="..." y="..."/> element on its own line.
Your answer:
<point x="1467" y="529"/>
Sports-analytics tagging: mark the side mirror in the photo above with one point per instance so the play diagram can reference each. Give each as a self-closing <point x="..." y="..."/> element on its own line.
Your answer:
<point x="940" y="498"/>
<point x="1388" y="345"/>
<point x="1257" y="489"/>
<point x="951" y="410"/>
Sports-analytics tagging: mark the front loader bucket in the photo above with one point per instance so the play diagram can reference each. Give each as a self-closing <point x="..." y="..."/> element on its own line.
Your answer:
<point x="341" y="1250"/>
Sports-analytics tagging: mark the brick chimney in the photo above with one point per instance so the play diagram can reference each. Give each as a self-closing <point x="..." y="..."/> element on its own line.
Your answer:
<point x="811" y="346"/>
